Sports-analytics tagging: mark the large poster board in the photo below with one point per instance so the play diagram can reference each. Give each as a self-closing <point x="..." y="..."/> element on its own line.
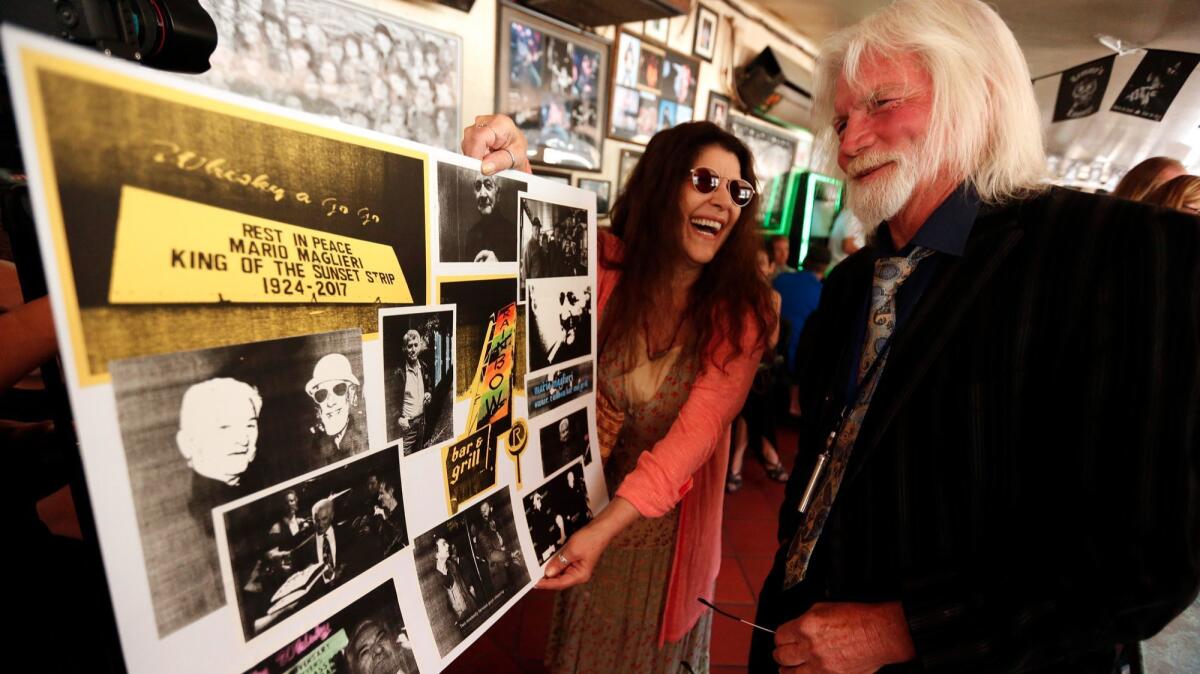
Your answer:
<point x="299" y="375"/>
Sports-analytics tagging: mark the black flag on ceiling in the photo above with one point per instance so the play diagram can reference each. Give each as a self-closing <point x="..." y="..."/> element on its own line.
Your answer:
<point x="1082" y="88"/>
<point x="1155" y="83"/>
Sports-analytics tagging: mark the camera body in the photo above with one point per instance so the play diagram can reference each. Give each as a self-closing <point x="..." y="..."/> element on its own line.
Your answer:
<point x="173" y="35"/>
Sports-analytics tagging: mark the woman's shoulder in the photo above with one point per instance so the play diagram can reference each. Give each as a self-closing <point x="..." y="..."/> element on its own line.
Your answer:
<point x="612" y="249"/>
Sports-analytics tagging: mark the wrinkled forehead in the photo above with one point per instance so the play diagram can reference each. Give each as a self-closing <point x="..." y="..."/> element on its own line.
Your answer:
<point x="870" y="73"/>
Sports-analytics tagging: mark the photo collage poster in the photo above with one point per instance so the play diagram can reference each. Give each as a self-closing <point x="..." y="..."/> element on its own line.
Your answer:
<point x="654" y="88"/>
<point x="319" y="374"/>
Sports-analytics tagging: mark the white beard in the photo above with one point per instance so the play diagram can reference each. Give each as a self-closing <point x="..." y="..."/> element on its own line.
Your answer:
<point x="883" y="196"/>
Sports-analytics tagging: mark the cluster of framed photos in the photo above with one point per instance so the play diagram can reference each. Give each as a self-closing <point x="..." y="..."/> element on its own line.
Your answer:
<point x="654" y="89"/>
<point x="554" y="81"/>
<point x="331" y="420"/>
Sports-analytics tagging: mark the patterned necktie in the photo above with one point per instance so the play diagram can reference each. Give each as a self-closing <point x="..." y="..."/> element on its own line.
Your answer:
<point x="890" y="273"/>
<point x="327" y="550"/>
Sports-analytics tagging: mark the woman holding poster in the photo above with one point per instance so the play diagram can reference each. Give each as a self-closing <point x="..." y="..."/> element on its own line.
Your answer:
<point x="683" y="321"/>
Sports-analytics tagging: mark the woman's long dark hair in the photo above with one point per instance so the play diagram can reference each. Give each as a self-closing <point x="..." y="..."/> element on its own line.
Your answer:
<point x="646" y="217"/>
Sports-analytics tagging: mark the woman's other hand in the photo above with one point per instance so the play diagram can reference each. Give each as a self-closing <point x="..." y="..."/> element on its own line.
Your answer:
<point x="583" y="549"/>
<point x="498" y="142"/>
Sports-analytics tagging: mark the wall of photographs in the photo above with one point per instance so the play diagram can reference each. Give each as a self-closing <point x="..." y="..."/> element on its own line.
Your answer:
<point x="338" y="415"/>
<point x="561" y="83"/>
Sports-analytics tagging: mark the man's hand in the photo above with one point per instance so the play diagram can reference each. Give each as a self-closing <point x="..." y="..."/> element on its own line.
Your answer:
<point x="844" y="639"/>
<point x="486" y="256"/>
<point x="404" y="424"/>
<point x="426" y="400"/>
<point x="498" y="142"/>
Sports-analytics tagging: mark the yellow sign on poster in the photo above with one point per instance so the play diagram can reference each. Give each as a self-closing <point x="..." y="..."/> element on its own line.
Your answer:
<point x="173" y="250"/>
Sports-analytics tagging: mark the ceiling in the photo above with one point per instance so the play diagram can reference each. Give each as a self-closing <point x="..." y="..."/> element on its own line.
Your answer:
<point x="1056" y="35"/>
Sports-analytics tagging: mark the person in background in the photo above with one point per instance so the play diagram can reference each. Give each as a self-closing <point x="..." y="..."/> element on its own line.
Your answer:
<point x="800" y="293"/>
<point x="755" y="424"/>
<point x="683" y="323"/>
<point x="1181" y="193"/>
<point x="1147" y="175"/>
<point x="846" y="237"/>
<point x="781" y="248"/>
<point x="997" y="467"/>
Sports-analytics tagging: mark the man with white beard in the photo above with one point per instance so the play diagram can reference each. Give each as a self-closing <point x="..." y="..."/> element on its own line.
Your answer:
<point x="997" y="467"/>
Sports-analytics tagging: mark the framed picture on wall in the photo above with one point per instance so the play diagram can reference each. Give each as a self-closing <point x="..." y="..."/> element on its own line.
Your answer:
<point x="629" y="159"/>
<point x="718" y="109"/>
<point x="564" y="178"/>
<point x="551" y="79"/>
<point x="657" y="29"/>
<point x="705" y="42"/>
<point x="774" y="150"/>
<point x="654" y="89"/>
<point x="603" y="190"/>
<point x="368" y="68"/>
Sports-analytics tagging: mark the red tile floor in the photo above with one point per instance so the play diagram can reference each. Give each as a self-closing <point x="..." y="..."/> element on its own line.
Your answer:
<point x="515" y="644"/>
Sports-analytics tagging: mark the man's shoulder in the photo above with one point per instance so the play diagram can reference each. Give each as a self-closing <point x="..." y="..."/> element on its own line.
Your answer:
<point x="1059" y="208"/>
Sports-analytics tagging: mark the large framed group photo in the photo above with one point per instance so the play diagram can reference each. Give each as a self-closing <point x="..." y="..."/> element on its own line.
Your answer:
<point x="551" y="79"/>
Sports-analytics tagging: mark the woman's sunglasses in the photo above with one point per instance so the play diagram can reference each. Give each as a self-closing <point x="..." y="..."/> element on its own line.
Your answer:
<point x="706" y="181"/>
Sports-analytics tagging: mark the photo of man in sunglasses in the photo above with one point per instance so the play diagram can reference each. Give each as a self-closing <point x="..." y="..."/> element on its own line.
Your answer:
<point x="339" y="428"/>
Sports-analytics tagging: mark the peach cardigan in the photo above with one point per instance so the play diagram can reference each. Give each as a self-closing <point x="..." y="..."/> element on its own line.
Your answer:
<point x="688" y="467"/>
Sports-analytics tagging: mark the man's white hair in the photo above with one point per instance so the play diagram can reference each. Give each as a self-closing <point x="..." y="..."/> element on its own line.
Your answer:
<point x="984" y="122"/>
<point x="199" y="399"/>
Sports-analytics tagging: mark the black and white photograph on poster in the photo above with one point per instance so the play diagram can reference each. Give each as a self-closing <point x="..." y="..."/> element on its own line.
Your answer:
<point x="560" y="320"/>
<point x="204" y="428"/>
<point x="549" y="391"/>
<point x="369" y="69"/>
<point x="469" y="566"/>
<point x="367" y="637"/>
<point x="1082" y="88"/>
<point x="418" y="375"/>
<point x="477" y="301"/>
<point x="297" y="544"/>
<point x="1153" y="86"/>
<point x="556" y="510"/>
<point x="565" y="440"/>
<point x="477" y="215"/>
<point x="553" y="240"/>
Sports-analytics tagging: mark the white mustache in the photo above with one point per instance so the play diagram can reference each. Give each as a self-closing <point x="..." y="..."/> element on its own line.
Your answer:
<point x="869" y="162"/>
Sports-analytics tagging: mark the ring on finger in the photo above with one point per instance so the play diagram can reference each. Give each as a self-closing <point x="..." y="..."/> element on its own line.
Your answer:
<point x="495" y="136"/>
<point x="510" y="157"/>
<point x="562" y="559"/>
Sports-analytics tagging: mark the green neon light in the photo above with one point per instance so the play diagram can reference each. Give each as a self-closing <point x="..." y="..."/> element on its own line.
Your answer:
<point x="809" y="197"/>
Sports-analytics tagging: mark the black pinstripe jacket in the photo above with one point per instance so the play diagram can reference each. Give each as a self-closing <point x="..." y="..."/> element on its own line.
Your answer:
<point x="1026" y="481"/>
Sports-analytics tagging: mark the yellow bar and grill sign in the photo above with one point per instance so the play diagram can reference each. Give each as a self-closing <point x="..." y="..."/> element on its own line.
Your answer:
<point x="172" y="250"/>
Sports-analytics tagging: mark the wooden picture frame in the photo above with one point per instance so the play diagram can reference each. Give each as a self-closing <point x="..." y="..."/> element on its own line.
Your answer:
<point x="653" y="88"/>
<point x="718" y="109"/>
<point x="629" y="159"/>
<point x="551" y="79"/>
<point x="704" y="42"/>
<point x="657" y="29"/>
<point x="602" y="190"/>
